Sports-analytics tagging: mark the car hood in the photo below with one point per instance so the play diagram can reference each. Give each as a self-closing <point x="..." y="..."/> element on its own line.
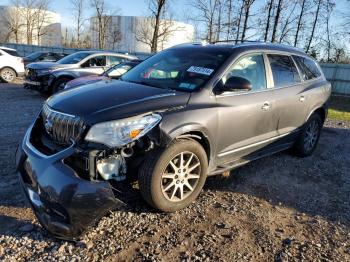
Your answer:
<point x="48" y="65"/>
<point x="85" y="80"/>
<point x="104" y="101"/>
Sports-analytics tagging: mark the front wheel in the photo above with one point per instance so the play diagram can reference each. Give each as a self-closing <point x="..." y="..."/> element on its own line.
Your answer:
<point x="59" y="84"/>
<point x="308" y="139"/>
<point x="172" y="178"/>
<point x="7" y="75"/>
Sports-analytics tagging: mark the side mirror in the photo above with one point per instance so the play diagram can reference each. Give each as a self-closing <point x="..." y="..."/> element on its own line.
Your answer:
<point x="235" y="83"/>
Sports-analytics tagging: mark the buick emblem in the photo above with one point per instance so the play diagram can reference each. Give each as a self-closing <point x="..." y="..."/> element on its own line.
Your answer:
<point x="48" y="125"/>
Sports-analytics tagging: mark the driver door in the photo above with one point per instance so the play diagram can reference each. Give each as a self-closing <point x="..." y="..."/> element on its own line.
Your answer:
<point x="247" y="119"/>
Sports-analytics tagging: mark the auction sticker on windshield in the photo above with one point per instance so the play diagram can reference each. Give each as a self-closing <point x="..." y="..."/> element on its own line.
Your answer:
<point x="200" y="70"/>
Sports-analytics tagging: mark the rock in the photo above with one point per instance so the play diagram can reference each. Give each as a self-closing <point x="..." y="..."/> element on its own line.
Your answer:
<point x="89" y="245"/>
<point x="62" y="249"/>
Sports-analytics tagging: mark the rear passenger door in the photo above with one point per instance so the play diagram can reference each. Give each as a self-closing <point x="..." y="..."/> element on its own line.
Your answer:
<point x="288" y="86"/>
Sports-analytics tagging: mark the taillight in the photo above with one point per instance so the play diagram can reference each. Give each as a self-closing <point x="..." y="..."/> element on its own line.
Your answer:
<point x="19" y="59"/>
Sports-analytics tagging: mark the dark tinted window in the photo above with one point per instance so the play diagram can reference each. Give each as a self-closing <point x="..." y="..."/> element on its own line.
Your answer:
<point x="284" y="70"/>
<point x="252" y="68"/>
<point x="11" y="52"/>
<point x="308" y="67"/>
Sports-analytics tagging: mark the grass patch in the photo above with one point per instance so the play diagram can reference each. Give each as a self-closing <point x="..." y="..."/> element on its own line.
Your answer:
<point x="339" y="108"/>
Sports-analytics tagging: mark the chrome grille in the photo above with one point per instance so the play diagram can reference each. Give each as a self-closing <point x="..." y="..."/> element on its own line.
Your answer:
<point x="61" y="127"/>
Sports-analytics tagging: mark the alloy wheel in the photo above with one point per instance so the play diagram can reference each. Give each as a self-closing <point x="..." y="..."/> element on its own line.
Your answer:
<point x="7" y="75"/>
<point x="311" y="135"/>
<point x="181" y="176"/>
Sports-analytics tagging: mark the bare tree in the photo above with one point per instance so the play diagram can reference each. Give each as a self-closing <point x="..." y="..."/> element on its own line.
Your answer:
<point x="277" y="17"/>
<point x="288" y="22"/>
<point x="13" y="23"/>
<point x="102" y="19"/>
<point x="207" y="14"/>
<point x="115" y="36"/>
<point x="267" y="27"/>
<point x="42" y="17"/>
<point x="156" y="30"/>
<point x="145" y="30"/>
<point x="300" y="19"/>
<point x="78" y="7"/>
<point x="239" y="19"/>
<point x="319" y="2"/>
<point x="157" y="8"/>
<point x="247" y="8"/>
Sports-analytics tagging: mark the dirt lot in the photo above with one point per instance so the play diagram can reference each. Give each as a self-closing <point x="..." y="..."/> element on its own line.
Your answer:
<point x="279" y="208"/>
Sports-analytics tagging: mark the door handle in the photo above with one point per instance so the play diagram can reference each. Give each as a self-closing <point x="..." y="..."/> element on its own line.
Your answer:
<point x="302" y="98"/>
<point x="266" y="106"/>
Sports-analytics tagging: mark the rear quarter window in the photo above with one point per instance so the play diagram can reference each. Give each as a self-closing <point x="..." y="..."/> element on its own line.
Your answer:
<point x="11" y="52"/>
<point x="284" y="71"/>
<point x="308" y="67"/>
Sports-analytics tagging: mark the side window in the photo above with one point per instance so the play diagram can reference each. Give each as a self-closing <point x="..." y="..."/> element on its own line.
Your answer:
<point x="252" y="68"/>
<point x="284" y="71"/>
<point x="114" y="60"/>
<point x="96" y="61"/>
<point x="308" y="67"/>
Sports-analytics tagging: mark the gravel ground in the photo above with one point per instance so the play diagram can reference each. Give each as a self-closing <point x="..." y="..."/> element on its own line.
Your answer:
<point x="280" y="208"/>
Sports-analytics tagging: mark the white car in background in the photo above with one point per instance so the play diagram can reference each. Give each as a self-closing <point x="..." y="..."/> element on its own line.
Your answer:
<point x="11" y="64"/>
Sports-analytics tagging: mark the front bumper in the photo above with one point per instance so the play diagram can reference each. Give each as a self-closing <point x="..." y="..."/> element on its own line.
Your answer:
<point x="40" y="83"/>
<point x="65" y="204"/>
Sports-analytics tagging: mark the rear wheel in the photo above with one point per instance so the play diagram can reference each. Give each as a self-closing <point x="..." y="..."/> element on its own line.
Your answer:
<point x="7" y="75"/>
<point x="308" y="139"/>
<point x="172" y="178"/>
<point x="60" y="84"/>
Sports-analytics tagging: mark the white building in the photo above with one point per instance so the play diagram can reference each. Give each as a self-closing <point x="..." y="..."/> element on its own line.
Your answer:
<point x="45" y="26"/>
<point x="133" y="34"/>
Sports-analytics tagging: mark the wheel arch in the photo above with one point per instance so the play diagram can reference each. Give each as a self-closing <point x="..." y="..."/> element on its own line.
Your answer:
<point x="198" y="134"/>
<point x="321" y="111"/>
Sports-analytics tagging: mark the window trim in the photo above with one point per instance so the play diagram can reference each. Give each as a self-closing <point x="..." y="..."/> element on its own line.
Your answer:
<point x="317" y="65"/>
<point x="267" y="68"/>
<point x="290" y="57"/>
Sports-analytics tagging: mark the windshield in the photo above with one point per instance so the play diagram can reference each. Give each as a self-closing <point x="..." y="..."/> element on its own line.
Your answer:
<point x="34" y="55"/>
<point x="118" y="70"/>
<point x="179" y="69"/>
<point x="73" y="58"/>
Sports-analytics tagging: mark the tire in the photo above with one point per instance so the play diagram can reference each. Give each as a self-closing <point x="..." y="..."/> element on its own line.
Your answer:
<point x="8" y="75"/>
<point x="59" y="84"/>
<point x="153" y="184"/>
<point x="307" y="141"/>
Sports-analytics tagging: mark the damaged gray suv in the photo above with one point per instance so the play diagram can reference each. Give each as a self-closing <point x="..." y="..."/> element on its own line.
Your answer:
<point x="186" y="113"/>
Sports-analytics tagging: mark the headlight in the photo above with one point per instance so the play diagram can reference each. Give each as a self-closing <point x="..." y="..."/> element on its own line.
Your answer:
<point x="121" y="132"/>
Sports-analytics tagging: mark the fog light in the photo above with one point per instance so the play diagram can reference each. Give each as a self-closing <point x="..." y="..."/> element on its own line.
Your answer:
<point x="112" y="168"/>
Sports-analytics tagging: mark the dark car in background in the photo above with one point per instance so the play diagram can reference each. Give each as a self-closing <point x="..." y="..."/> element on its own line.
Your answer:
<point x="50" y="77"/>
<point x="114" y="72"/>
<point x="186" y="113"/>
<point x="43" y="56"/>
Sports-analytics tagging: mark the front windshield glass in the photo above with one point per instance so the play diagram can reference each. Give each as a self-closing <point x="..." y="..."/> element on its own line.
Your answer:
<point x="34" y="55"/>
<point x="118" y="70"/>
<point x="73" y="58"/>
<point x="179" y="69"/>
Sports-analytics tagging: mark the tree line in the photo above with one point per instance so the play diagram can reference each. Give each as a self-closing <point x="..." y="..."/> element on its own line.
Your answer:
<point x="313" y="25"/>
